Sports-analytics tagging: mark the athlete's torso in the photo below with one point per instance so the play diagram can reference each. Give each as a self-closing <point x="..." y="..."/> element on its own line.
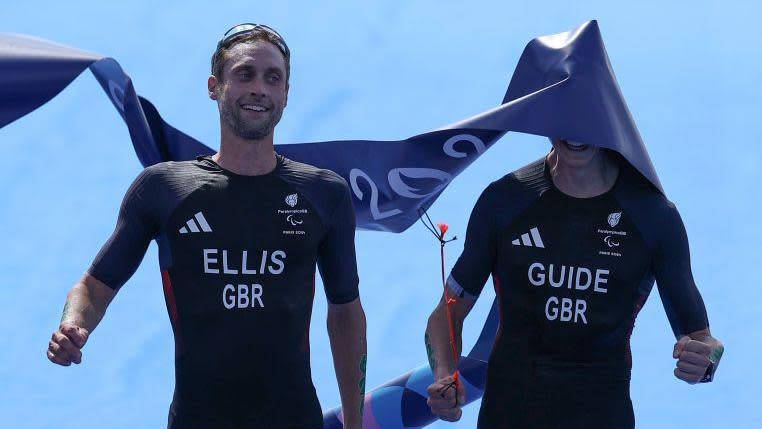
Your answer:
<point x="238" y="259"/>
<point x="242" y="283"/>
<point x="570" y="276"/>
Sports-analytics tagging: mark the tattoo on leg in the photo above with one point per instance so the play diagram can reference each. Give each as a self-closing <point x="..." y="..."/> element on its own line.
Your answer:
<point x="361" y="383"/>
<point x="430" y="352"/>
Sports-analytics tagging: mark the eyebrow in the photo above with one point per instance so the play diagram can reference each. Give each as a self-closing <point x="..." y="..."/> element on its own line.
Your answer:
<point x="249" y="67"/>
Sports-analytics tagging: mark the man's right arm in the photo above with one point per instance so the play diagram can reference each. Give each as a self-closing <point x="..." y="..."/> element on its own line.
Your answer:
<point x="118" y="259"/>
<point x="464" y="285"/>
<point x="445" y="395"/>
<point x="437" y="336"/>
<point x="85" y="306"/>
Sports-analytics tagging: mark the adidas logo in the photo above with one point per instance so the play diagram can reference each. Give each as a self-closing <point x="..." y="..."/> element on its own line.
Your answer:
<point x="526" y="240"/>
<point x="192" y="226"/>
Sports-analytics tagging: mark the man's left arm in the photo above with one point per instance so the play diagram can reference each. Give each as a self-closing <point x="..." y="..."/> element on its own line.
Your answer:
<point x="697" y="352"/>
<point x="346" y="330"/>
<point x="346" y="320"/>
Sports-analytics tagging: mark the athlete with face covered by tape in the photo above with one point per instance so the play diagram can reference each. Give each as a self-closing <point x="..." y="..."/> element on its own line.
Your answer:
<point x="574" y="242"/>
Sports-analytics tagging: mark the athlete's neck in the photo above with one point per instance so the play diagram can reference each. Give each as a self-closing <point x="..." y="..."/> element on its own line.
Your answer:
<point x="245" y="157"/>
<point x="590" y="180"/>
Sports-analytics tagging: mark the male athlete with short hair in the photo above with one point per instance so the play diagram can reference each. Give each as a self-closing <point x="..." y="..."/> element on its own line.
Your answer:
<point x="239" y="235"/>
<point x="574" y="243"/>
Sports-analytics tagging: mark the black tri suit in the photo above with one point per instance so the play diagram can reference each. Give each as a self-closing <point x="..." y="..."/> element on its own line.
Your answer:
<point x="238" y="256"/>
<point x="571" y="275"/>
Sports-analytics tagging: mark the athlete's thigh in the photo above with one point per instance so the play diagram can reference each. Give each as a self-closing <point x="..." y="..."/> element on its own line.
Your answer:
<point x="507" y="405"/>
<point x="199" y="420"/>
<point x="513" y="407"/>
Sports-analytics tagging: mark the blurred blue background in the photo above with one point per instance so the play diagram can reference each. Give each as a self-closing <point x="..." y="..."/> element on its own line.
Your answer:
<point x="690" y="72"/>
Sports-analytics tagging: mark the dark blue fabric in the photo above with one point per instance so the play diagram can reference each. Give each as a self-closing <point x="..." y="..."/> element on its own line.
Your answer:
<point x="563" y="87"/>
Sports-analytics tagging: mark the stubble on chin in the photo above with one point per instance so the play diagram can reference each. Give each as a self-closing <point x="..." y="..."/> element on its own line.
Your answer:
<point x="252" y="132"/>
<point x="249" y="131"/>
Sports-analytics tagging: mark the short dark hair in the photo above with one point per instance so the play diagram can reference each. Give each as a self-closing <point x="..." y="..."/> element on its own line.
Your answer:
<point x="218" y="59"/>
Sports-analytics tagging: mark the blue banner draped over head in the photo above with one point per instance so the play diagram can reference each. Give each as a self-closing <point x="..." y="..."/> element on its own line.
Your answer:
<point x="563" y="87"/>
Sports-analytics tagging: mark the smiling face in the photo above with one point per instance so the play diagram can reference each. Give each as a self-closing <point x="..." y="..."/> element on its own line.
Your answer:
<point x="253" y="89"/>
<point x="573" y="154"/>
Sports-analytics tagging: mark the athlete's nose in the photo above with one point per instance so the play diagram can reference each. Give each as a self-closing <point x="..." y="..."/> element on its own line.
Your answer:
<point x="257" y="88"/>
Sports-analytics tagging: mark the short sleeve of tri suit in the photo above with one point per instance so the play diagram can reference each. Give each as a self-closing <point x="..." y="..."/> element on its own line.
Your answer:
<point x="497" y="207"/>
<point x="659" y="223"/>
<point x="328" y="193"/>
<point x="674" y="278"/>
<point x="475" y="263"/>
<point x="121" y="255"/>
<point x="336" y="254"/>
<point x="147" y="204"/>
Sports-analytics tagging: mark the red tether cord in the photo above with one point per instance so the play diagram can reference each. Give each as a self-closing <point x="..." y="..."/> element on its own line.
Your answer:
<point x="448" y="301"/>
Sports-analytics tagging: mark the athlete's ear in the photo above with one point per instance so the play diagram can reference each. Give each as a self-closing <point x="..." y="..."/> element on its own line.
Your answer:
<point x="212" y="84"/>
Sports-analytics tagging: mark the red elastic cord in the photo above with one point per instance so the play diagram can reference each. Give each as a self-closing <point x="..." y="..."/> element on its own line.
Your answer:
<point x="448" y="300"/>
<point x="442" y="229"/>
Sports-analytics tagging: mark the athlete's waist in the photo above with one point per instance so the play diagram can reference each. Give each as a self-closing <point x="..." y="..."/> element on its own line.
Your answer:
<point x="222" y="394"/>
<point x="241" y="377"/>
<point x="551" y="370"/>
<point x="563" y="352"/>
<point x="199" y="378"/>
<point x="255" y="407"/>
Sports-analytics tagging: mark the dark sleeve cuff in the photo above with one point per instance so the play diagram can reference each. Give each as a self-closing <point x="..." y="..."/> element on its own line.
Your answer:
<point x="455" y="287"/>
<point x="343" y="298"/>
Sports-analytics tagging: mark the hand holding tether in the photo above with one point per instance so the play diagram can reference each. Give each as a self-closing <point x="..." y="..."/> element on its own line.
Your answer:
<point x="446" y="396"/>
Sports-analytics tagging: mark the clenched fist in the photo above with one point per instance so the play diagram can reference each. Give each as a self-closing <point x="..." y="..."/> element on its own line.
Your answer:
<point x="694" y="357"/>
<point x="446" y="396"/>
<point x="66" y="344"/>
